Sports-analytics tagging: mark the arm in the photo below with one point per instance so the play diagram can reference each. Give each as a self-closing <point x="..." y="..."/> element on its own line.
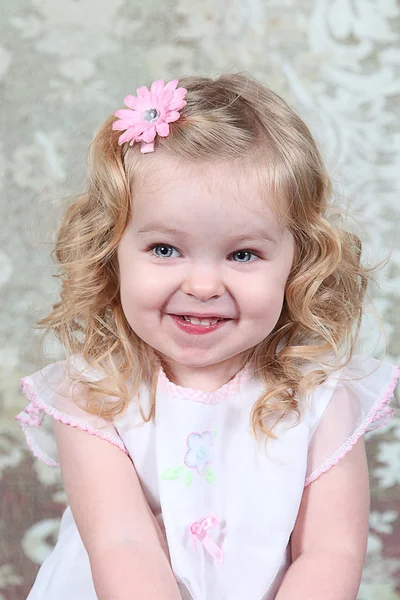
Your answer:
<point x="330" y="536"/>
<point x="126" y="550"/>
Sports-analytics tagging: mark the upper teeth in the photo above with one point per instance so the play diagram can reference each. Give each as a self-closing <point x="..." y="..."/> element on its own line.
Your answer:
<point x="205" y="322"/>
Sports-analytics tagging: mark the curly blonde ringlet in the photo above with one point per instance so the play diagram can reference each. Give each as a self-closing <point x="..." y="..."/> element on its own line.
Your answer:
<point x="229" y="118"/>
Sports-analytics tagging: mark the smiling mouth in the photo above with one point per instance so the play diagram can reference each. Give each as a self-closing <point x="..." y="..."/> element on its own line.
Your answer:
<point x="204" y="321"/>
<point x="198" y="326"/>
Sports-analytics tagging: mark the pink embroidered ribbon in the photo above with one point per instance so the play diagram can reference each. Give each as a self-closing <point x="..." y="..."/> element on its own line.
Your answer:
<point x="199" y="534"/>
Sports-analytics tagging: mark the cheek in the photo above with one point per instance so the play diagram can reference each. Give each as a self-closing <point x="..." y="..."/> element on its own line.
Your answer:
<point x="263" y="298"/>
<point x="268" y="306"/>
<point x="142" y="287"/>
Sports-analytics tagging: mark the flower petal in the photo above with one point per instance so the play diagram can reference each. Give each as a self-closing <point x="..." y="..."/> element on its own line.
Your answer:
<point x="130" y="101"/>
<point x="116" y="126"/>
<point x="171" y="85"/>
<point x="176" y="105"/>
<point x="201" y="465"/>
<point x="121" y="126"/>
<point x="172" y="116"/>
<point x="180" y="93"/>
<point x="168" y="92"/>
<point x="128" y="115"/>
<point x="190" y="459"/>
<point x="207" y="441"/>
<point x="144" y="94"/>
<point x="193" y="441"/>
<point x="162" y="128"/>
<point x="142" y="105"/>
<point x="165" y="98"/>
<point x="155" y="101"/>
<point x="177" y="101"/>
<point x="127" y="136"/>
<point x="139" y="128"/>
<point x="157" y="87"/>
<point x="149" y="135"/>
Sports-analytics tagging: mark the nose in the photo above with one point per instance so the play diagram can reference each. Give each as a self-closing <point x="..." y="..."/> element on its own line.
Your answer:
<point x="203" y="282"/>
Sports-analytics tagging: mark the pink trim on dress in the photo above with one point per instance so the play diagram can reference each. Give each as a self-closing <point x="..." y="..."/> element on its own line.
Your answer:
<point x="36" y="450"/>
<point x="229" y="388"/>
<point x="381" y="411"/>
<point x="32" y="416"/>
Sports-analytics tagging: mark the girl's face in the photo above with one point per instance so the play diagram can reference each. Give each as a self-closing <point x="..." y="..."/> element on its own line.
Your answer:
<point x="203" y="243"/>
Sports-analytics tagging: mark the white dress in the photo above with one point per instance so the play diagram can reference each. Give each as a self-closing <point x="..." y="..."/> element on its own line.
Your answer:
<point x="226" y="506"/>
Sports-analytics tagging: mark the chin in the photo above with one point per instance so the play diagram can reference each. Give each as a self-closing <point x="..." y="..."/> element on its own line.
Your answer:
<point x="194" y="358"/>
<point x="188" y="356"/>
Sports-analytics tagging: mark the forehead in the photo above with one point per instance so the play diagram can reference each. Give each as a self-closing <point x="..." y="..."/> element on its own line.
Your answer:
<point x="231" y="192"/>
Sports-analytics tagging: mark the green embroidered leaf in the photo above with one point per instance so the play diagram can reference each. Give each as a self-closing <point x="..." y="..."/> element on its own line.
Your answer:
<point x="172" y="473"/>
<point x="210" y="476"/>
<point x="214" y="432"/>
<point x="188" y="477"/>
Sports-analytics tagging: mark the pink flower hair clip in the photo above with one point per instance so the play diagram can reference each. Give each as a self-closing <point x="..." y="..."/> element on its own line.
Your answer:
<point x="149" y="113"/>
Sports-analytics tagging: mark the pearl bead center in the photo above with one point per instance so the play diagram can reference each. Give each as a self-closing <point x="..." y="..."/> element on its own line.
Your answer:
<point x="150" y="115"/>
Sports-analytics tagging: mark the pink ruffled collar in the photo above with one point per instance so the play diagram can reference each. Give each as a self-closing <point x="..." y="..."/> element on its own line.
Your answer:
<point x="224" y="392"/>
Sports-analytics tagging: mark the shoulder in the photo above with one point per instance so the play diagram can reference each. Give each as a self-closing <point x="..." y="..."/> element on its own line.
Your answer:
<point x="61" y="376"/>
<point x="57" y="393"/>
<point x="365" y="384"/>
<point x="351" y="403"/>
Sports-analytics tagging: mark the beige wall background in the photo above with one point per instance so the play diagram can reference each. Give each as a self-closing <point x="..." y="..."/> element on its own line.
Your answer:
<point x="65" y="66"/>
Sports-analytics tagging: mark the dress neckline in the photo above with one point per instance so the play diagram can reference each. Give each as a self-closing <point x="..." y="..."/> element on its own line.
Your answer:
<point x="215" y="397"/>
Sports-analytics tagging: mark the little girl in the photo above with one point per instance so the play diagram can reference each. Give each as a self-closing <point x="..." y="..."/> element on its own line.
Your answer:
<point x="209" y="417"/>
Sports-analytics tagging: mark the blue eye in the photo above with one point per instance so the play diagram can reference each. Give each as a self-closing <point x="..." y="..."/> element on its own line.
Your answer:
<point x="163" y="251"/>
<point x="243" y="255"/>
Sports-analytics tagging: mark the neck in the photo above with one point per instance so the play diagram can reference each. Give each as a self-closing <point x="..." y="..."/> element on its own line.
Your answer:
<point x="206" y="379"/>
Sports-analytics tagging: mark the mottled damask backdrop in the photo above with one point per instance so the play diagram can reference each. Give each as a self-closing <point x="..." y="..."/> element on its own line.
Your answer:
<point x="64" y="66"/>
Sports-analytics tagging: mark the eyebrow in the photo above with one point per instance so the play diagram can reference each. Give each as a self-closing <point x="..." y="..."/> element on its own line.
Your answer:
<point x="253" y="236"/>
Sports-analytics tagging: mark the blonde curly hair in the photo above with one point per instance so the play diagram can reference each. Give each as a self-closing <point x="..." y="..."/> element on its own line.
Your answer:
<point x="228" y="118"/>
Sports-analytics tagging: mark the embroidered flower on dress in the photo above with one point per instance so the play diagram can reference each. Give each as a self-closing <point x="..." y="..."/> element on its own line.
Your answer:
<point x="149" y="113"/>
<point x="199" y="453"/>
<point x="198" y="457"/>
